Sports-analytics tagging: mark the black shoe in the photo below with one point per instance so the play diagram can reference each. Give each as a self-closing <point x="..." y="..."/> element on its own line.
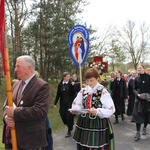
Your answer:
<point x="68" y="135"/>
<point x="144" y="131"/>
<point x="137" y="136"/>
<point x="122" y="116"/>
<point x="116" y="122"/>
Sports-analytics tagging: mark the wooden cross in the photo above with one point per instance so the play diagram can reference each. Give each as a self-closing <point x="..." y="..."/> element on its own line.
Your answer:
<point x="99" y="63"/>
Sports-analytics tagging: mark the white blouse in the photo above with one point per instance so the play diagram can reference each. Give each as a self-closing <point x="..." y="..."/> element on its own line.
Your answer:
<point x="107" y="108"/>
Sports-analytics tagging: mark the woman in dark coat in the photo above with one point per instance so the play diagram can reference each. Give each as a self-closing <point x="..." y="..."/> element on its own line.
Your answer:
<point x="131" y="94"/>
<point x="119" y="95"/>
<point x="65" y="93"/>
<point x="141" y="106"/>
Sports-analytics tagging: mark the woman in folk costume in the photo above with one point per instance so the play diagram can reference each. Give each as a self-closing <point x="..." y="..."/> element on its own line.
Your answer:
<point x="94" y="105"/>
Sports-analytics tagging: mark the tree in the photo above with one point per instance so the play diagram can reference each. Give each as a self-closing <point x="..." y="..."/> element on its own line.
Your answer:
<point x="48" y="33"/>
<point x="135" y="42"/>
<point x="116" y="54"/>
<point x="103" y="41"/>
<point x="17" y="14"/>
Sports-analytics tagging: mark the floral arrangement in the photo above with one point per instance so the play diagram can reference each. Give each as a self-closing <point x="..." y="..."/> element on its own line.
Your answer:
<point x="98" y="65"/>
<point x="98" y="62"/>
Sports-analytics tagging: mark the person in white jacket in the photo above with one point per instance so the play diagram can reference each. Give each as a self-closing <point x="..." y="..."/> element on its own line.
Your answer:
<point x="94" y="105"/>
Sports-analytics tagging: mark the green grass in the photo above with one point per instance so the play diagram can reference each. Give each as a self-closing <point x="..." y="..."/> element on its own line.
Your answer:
<point x="2" y="99"/>
<point x="53" y="114"/>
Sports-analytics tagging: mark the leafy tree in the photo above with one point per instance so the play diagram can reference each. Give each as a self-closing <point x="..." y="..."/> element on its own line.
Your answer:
<point x="48" y="36"/>
<point x="17" y="14"/>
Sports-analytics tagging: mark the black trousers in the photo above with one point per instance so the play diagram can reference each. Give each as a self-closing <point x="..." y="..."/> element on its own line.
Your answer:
<point x="138" y="125"/>
<point x="67" y="118"/>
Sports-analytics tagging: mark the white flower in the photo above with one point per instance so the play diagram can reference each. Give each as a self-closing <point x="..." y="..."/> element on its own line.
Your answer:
<point x="103" y="65"/>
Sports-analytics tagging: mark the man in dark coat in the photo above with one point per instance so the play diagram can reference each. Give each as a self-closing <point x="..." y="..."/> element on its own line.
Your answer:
<point x="119" y="95"/>
<point x="30" y="108"/>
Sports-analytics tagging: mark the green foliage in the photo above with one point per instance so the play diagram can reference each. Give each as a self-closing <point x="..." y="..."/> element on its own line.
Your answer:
<point x="48" y="34"/>
<point x="2" y="99"/>
<point x="45" y="35"/>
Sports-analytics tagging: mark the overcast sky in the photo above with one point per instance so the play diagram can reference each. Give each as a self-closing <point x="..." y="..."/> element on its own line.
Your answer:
<point x="116" y="12"/>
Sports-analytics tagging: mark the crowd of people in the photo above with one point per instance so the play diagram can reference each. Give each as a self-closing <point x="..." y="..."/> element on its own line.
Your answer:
<point x="134" y="90"/>
<point x="94" y="103"/>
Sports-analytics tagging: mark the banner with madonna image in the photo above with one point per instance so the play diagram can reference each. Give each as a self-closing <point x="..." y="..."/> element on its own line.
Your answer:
<point x="78" y="39"/>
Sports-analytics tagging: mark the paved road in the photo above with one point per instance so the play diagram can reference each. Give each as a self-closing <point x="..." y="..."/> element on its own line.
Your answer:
<point x="124" y="133"/>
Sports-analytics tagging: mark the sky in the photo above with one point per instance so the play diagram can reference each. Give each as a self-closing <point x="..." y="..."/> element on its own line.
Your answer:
<point x="102" y="13"/>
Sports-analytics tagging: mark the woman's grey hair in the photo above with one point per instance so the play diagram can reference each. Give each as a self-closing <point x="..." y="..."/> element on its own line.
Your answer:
<point x="28" y="60"/>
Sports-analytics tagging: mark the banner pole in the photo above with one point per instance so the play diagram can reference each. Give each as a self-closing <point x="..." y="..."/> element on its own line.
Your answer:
<point x="6" y="67"/>
<point x="9" y="92"/>
<point x="80" y="71"/>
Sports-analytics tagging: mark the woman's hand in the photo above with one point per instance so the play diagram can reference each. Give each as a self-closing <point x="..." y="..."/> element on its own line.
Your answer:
<point x="92" y="111"/>
<point x="73" y="112"/>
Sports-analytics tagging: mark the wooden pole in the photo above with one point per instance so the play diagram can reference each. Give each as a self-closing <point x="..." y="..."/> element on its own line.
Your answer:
<point x="9" y="98"/>
<point x="9" y="91"/>
<point x="80" y="70"/>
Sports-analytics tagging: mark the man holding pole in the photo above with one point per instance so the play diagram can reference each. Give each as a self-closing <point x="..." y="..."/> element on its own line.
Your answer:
<point x="31" y="97"/>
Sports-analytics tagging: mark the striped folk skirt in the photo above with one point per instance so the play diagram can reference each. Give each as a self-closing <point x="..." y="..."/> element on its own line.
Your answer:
<point x="94" y="133"/>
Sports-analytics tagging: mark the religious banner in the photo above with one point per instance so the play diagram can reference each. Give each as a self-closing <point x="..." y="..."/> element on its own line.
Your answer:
<point x="2" y="34"/>
<point x="78" y="39"/>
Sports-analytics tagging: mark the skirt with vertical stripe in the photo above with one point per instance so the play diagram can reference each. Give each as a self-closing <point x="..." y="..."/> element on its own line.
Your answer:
<point x="94" y="133"/>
